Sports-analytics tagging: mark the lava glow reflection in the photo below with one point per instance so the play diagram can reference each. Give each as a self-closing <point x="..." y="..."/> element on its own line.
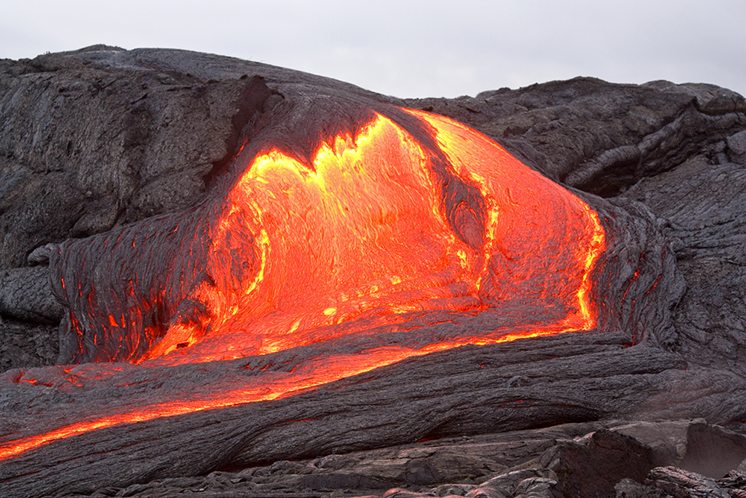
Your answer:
<point x="378" y="228"/>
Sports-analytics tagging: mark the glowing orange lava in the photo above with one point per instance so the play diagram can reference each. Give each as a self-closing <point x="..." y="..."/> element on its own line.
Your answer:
<point x="371" y="233"/>
<point x="363" y="233"/>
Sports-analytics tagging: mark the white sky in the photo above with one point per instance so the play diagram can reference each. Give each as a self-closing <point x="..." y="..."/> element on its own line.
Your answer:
<point x="413" y="48"/>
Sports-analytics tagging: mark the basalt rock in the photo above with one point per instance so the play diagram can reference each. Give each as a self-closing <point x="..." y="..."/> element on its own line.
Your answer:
<point x="630" y="460"/>
<point x="102" y="148"/>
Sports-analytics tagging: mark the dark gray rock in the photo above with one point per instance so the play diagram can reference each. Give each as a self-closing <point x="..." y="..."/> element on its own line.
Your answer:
<point x="685" y="484"/>
<point x="27" y="345"/>
<point x="610" y="455"/>
<point x="599" y="137"/>
<point x="25" y="295"/>
<point x="85" y="146"/>
<point x="102" y="137"/>
<point x="41" y="255"/>
<point x="713" y="451"/>
<point x="737" y="147"/>
<point x="511" y="464"/>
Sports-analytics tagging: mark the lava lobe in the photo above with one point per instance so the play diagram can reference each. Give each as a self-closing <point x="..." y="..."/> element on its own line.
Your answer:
<point x="378" y="227"/>
<point x="412" y="235"/>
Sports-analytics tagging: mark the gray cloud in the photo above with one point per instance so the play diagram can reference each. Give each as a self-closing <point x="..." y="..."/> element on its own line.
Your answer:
<point x="415" y="47"/>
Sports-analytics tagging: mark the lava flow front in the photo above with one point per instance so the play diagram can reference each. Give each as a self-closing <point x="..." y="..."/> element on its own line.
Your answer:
<point x="392" y="229"/>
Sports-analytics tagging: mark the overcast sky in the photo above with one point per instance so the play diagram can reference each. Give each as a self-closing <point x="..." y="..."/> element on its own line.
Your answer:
<point x="413" y="48"/>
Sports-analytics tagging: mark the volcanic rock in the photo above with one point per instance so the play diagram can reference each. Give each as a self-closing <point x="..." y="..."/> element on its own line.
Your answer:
<point x="543" y="462"/>
<point x="102" y="141"/>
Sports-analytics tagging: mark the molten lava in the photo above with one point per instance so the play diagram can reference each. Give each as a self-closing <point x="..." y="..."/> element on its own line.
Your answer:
<point x="383" y="228"/>
<point x="362" y="234"/>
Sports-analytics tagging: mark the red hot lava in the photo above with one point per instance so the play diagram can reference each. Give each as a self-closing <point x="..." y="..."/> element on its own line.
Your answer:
<point x="380" y="229"/>
<point x="362" y="235"/>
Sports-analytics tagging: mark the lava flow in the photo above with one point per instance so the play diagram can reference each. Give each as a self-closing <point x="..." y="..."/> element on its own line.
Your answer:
<point x="389" y="227"/>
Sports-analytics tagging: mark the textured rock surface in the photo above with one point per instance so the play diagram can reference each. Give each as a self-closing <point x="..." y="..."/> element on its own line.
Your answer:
<point x="584" y="460"/>
<point x="27" y="345"/>
<point x="101" y="137"/>
<point x="25" y="295"/>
